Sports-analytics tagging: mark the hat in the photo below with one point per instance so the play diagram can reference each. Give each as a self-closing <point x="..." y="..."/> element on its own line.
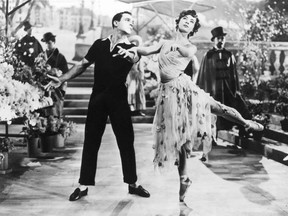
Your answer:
<point x="27" y="25"/>
<point x="216" y="32"/>
<point x="135" y="39"/>
<point x="48" y="36"/>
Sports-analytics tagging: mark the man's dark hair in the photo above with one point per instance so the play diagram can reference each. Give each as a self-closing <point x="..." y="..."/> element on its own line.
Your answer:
<point x="118" y="17"/>
<point x="193" y="14"/>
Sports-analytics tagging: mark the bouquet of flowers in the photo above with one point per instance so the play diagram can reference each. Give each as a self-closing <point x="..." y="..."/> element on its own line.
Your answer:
<point x="36" y="125"/>
<point x="17" y="98"/>
<point x="257" y="110"/>
<point x="6" y="144"/>
<point x="42" y="69"/>
<point x="33" y="126"/>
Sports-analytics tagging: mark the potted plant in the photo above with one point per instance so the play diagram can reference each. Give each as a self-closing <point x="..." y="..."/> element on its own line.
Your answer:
<point x="282" y="109"/>
<point x="6" y="145"/>
<point x="56" y="132"/>
<point x="66" y="128"/>
<point x="33" y="129"/>
<point x="280" y="83"/>
<point x="259" y="114"/>
<point x="263" y="119"/>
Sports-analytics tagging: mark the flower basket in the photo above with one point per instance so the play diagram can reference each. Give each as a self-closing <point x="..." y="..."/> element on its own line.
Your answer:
<point x="59" y="141"/>
<point x="282" y="109"/>
<point x="47" y="142"/>
<point x="259" y="111"/>
<point x="51" y="130"/>
<point x="5" y="147"/>
<point x="257" y="135"/>
<point x="284" y="124"/>
<point x="4" y="163"/>
<point x="33" y="146"/>
<point x="263" y="119"/>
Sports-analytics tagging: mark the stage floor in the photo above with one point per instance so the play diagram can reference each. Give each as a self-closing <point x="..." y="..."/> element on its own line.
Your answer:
<point x="234" y="182"/>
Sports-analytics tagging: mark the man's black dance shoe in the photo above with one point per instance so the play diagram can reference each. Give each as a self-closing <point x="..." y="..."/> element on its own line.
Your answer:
<point x="140" y="191"/>
<point x="77" y="194"/>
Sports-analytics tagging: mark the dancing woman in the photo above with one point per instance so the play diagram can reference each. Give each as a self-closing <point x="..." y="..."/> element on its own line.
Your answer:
<point x="183" y="118"/>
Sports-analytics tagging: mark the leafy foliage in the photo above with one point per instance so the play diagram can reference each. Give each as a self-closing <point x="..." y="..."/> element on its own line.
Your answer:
<point x="37" y="125"/>
<point x="266" y="25"/>
<point x="6" y="144"/>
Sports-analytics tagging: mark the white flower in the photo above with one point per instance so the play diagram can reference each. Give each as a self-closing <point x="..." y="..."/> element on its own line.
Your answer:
<point x="33" y="122"/>
<point x="48" y="67"/>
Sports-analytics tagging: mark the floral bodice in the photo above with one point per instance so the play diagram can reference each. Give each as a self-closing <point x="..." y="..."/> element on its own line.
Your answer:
<point x="171" y="64"/>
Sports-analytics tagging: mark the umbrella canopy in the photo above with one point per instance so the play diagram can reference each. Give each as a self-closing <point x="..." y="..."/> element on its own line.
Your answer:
<point x="169" y="7"/>
<point x="212" y="13"/>
<point x="165" y="10"/>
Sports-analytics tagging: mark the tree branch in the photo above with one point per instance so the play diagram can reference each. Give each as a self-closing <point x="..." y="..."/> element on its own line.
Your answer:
<point x="17" y="7"/>
<point x="11" y="15"/>
<point x="31" y="4"/>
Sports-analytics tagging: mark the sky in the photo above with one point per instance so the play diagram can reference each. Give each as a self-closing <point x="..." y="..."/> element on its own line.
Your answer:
<point x="105" y="7"/>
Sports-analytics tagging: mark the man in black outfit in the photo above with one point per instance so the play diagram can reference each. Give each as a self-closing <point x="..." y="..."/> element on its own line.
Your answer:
<point x="109" y="98"/>
<point x="218" y="76"/>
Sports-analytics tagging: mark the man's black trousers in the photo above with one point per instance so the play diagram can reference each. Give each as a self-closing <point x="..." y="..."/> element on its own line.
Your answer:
<point x="101" y="106"/>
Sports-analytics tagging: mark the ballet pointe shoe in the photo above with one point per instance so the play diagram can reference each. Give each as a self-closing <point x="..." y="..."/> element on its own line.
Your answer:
<point x="253" y="125"/>
<point x="184" y="209"/>
<point x="185" y="183"/>
<point x="204" y="158"/>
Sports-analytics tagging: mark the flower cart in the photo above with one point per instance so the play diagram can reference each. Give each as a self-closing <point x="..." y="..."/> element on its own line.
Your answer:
<point x="19" y="94"/>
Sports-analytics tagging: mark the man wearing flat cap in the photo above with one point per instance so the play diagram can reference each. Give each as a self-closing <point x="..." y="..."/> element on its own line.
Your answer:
<point x="59" y="66"/>
<point x="28" y="48"/>
<point x="218" y="76"/>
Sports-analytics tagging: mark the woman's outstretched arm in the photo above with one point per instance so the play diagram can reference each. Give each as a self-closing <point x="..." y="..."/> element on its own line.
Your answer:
<point x="147" y="50"/>
<point x="233" y="115"/>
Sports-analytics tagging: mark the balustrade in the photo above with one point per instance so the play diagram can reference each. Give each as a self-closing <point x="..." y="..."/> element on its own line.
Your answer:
<point x="277" y="61"/>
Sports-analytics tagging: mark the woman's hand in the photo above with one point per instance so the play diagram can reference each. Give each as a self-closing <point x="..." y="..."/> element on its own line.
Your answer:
<point x="124" y="53"/>
<point x="129" y="54"/>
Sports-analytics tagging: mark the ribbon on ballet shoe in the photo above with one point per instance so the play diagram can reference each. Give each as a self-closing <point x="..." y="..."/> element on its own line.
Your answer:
<point x="185" y="183"/>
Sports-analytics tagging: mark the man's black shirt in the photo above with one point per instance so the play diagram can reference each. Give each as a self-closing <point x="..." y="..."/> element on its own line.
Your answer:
<point x="110" y="72"/>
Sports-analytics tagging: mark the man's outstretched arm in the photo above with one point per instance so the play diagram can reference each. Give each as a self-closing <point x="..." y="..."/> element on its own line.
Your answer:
<point x="72" y="73"/>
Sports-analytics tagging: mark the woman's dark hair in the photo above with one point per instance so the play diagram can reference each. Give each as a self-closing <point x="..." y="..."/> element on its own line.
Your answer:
<point x="193" y="14"/>
<point x="118" y="17"/>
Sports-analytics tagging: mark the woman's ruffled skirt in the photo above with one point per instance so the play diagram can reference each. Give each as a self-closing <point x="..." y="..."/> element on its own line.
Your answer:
<point x="183" y="117"/>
